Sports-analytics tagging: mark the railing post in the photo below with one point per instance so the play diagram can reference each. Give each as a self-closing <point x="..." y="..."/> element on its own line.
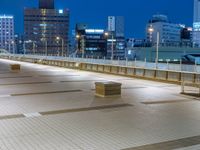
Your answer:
<point x="126" y="61"/>
<point x="145" y="62"/>
<point x="156" y="64"/>
<point x="180" y="65"/>
<point x="135" y="62"/>
<point x="167" y="65"/>
<point x="195" y="66"/>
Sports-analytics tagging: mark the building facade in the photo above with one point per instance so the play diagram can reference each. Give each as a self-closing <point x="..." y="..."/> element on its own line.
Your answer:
<point x="169" y="33"/>
<point x="116" y="39"/>
<point x="90" y="42"/>
<point x="46" y="4"/>
<point x="47" y="28"/>
<point x="7" y="33"/>
<point x="196" y="23"/>
<point x="116" y="25"/>
<point x="186" y="37"/>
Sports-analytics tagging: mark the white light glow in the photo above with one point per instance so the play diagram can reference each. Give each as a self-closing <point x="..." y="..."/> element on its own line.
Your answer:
<point x="196" y="26"/>
<point x="98" y="31"/>
<point x="60" y="11"/>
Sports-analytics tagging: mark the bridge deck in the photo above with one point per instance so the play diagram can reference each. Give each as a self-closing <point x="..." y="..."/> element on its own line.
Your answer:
<point x="44" y="107"/>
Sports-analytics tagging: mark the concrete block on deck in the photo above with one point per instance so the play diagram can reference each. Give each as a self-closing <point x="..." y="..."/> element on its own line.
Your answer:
<point x="108" y="89"/>
<point x="15" y="67"/>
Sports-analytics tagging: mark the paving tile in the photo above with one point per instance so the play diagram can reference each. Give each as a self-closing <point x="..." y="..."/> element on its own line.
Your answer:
<point x="91" y="124"/>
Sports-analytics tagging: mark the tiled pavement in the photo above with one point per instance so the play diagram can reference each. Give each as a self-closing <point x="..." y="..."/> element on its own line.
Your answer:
<point x="43" y="107"/>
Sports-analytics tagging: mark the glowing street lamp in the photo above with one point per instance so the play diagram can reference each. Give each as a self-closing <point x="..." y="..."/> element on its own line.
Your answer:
<point x="151" y="30"/>
<point x="112" y="48"/>
<point x="59" y="38"/>
<point x="81" y="37"/>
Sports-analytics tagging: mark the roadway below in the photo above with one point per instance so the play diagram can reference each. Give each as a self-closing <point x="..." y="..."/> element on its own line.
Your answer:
<point x="44" y="107"/>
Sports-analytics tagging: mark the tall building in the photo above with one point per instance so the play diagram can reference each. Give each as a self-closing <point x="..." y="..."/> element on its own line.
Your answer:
<point x="186" y="37"/>
<point x="7" y="33"/>
<point x="111" y="23"/>
<point x="46" y="4"/>
<point x="116" y="25"/>
<point x="169" y="33"/>
<point x="47" y="28"/>
<point x="196" y="23"/>
<point x="116" y="41"/>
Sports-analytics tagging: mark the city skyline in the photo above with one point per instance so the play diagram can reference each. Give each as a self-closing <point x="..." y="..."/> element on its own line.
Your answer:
<point x="136" y="13"/>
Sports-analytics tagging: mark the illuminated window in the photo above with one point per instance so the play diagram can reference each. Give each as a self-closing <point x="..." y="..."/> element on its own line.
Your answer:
<point x="60" y="11"/>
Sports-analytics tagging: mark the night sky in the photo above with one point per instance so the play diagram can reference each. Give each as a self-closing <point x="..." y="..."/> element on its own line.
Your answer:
<point x="95" y="12"/>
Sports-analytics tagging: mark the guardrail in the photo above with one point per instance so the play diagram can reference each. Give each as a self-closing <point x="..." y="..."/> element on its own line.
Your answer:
<point x="128" y="63"/>
<point x="125" y="68"/>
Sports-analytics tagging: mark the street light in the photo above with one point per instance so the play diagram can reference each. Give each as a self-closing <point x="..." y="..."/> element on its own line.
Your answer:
<point x="59" y="38"/>
<point x="34" y="45"/>
<point x="81" y="37"/>
<point x="151" y="30"/>
<point x="112" y="47"/>
<point x="13" y="46"/>
<point x="24" y="45"/>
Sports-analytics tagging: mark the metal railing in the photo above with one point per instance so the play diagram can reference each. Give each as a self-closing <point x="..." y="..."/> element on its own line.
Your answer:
<point x="128" y="63"/>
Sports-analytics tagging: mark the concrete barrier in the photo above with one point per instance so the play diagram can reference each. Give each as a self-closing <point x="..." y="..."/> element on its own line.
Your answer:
<point x="89" y="67"/>
<point x="130" y="71"/>
<point x="197" y="78"/>
<point x="149" y="73"/>
<point x="83" y="66"/>
<point x="94" y="67"/>
<point x="100" y="68"/>
<point x="122" y="70"/>
<point x="139" y="72"/>
<point x="114" y="69"/>
<point x="188" y="77"/>
<point x="107" y="69"/>
<point x="161" y="75"/>
<point x="174" y="76"/>
<point x="164" y="75"/>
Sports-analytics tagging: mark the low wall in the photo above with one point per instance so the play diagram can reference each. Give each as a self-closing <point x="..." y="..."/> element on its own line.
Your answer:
<point x="144" y="73"/>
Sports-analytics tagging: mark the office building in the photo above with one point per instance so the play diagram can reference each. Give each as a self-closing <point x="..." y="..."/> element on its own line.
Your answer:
<point x="186" y="37"/>
<point x="116" y="41"/>
<point x="169" y="33"/>
<point x="116" y="25"/>
<point x="196" y="23"/>
<point x="46" y="4"/>
<point x="48" y="28"/>
<point x="90" y="42"/>
<point x="7" y="33"/>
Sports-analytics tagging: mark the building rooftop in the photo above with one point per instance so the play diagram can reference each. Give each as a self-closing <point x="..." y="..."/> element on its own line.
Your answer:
<point x="44" y="107"/>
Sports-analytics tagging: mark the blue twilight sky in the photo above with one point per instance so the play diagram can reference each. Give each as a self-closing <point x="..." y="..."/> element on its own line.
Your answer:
<point x="95" y="12"/>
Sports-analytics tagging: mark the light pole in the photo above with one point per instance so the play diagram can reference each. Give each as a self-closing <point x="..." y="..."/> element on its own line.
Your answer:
<point x="151" y="30"/>
<point x="24" y="47"/>
<point x="13" y="46"/>
<point x="81" y="38"/>
<point x="59" y="38"/>
<point x="34" y="45"/>
<point x="9" y="46"/>
<point x="46" y="46"/>
<point x="112" y="46"/>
